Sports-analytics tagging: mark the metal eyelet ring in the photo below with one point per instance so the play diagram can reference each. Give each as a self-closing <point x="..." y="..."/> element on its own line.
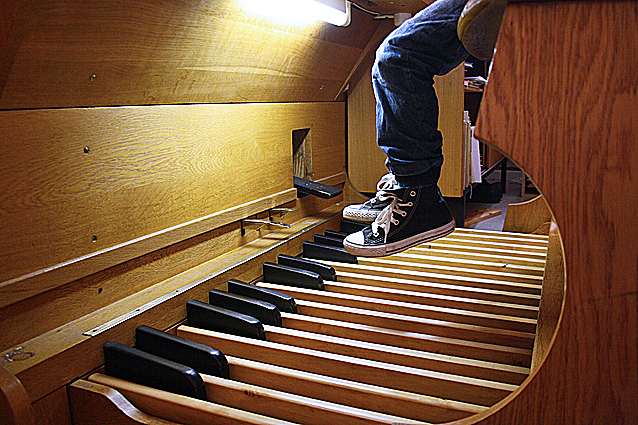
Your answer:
<point x="412" y="193"/>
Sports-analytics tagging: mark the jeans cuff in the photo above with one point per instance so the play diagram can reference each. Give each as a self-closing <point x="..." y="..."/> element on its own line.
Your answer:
<point x="428" y="178"/>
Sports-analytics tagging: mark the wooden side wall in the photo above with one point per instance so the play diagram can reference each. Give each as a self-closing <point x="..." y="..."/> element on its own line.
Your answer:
<point x="131" y="130"/>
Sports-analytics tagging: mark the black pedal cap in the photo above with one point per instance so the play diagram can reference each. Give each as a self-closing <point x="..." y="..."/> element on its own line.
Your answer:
<point x="335" y="235"/>
<point x="308" y="187"/>
<point x="206" y="316"/>
<point x="349" y="226"/>
<point x="133" y="365"/>
<point x="283" y="302"/>
<point x="325" y="240"/>
<point x="325" y="271"/>
<point x="292" y="276"/>
<point x="326" y="252"/>
<point x="263" y="311"/>
<point x="202" y="358"/>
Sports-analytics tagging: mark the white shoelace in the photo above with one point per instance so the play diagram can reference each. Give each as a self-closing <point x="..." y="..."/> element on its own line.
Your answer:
<point x="386" y="217"/>
<point x="386" y="182"/>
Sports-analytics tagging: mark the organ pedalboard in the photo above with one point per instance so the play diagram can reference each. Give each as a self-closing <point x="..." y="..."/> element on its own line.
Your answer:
<point x="434" y="334"/>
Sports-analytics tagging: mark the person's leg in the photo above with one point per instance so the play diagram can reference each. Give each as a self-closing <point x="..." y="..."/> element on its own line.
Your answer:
<point x="407" y="130"/>
<point x="403" y="78"/>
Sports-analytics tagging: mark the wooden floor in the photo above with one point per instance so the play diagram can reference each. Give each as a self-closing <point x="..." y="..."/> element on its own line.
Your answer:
<point x="437" y="333"/>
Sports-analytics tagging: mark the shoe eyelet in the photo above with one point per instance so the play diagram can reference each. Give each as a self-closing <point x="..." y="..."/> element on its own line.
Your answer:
<point x="412" y="193"/>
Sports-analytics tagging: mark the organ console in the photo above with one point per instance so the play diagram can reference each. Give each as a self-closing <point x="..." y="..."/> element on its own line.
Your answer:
<point x="141" y="138"/>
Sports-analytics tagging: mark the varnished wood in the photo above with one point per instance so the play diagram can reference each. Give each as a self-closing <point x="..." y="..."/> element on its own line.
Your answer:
<point x="503" y="273"/>
<point x="527" y="216"/>
<point x="62" y="352"/>
<point x="465" y="303"/>
<point x="182" y="409"/>
<point x="434" y="276"/>
<point x="399" y="356"/>
<point x="551" y="305"/>
<point x="86" y="398"/>
<point x="454" y="314"/>
<point x="485" y="334"/>
<point x="573" y="135"/>
<point x="15" y="406"/>
<point x="97" y="195"/>
<point x="366" y="162"/>
<point x="146" y="53"/>
<point x="379" y="399"/>
<point x="436" y="288"/>
<point x="403" y="378"/>
<point x="409" y="339"/>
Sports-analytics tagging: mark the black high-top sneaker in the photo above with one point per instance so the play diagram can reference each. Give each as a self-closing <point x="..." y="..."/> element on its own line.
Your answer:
<point x="369" y="210"/>
<point x="416" y="214"/>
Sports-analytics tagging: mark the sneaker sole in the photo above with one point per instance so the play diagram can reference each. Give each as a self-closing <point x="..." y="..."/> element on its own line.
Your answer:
<point x="360" y="217"/>
<point x="399" y="246"/>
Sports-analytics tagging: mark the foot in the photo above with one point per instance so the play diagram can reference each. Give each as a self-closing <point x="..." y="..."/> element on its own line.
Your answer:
<point x="369" y="210"/>
<point x="415" y="215"/>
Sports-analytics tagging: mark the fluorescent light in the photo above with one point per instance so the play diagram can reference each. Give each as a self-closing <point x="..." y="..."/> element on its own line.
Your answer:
<point x="300" y="12"/>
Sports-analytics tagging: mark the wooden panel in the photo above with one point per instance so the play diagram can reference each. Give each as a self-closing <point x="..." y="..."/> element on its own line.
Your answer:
<point x="65" y="352"/>
<point x="366" y="162"/>
<point x="77" y="53"/>
<point x="527" y="216"/>
<point x="574" y="135"/>
<point x="152" y="176"/>
<point x="449" y="90"/>
<point x="14" y="401"/>
<point x="551" y="305"/>
<point x="86" y="398"/>
<point x="181" y="409"/>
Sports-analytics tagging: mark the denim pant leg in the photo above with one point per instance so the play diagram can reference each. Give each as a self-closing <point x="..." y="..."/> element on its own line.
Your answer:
<point x="403" y="76"/>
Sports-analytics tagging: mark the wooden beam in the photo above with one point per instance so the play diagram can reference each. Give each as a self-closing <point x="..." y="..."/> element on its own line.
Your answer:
<point x="452" y="314"/>
<point x="403" y="378"/>
<point x="450" y="346"/>
<point x="379" y="399"/>
<point x="464" y="303"/>
<point x="400" y="356"/>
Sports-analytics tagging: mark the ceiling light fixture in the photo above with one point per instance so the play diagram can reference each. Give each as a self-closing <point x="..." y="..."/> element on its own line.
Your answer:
<point x="301" y="12"/>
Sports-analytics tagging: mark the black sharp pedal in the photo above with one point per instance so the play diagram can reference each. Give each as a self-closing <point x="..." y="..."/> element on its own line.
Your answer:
<point x="291" y="276"/>
<point x="325" y="240"/>
<point x="349" y="226"/>
<point x="284" y="302"/>
<point x="308" y="187"/>
<point x="206" y="316"/>
<point x="335" y="235"/>
<point x="202" y="358"/>
<point x="325" y="271"/>
<point x="329" y="253"/>
<point x="133" y="365"/>
<point x="263" y="311"/>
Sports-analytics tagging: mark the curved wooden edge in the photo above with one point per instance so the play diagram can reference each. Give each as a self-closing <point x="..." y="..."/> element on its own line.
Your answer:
<point x="89" y="401"/>
<point x="552" y="298"/>
<point x="15" y="406"/>
<point x="528" y="216"/>
<point x="589" y="376"/>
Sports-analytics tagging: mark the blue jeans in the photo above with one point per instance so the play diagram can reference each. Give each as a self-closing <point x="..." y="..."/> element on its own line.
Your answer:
<point x="403" y="76"/>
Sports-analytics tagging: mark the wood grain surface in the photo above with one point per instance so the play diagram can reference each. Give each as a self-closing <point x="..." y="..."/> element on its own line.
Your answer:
<point x="74" y="53"/>
<point x="561" y="102"/>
